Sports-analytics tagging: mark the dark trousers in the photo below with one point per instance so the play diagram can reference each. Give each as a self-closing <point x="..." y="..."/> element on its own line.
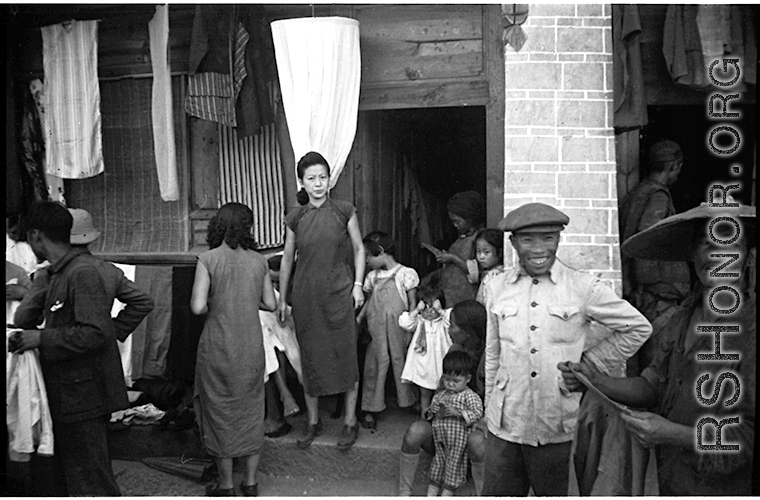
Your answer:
<point x="511" y="468"/>
<point x="82" y="450"/>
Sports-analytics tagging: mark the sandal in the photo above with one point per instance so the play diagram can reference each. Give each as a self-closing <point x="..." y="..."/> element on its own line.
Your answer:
<point x="249" y="491"/>
<point x="312" y="431"/>
<point x="213" y="490"/>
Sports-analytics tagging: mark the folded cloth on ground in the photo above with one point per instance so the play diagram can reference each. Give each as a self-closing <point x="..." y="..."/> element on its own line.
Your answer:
<point x="146" y="414"/>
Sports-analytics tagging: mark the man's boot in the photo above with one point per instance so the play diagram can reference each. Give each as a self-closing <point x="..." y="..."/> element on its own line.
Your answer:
<point x="407" y="469"/>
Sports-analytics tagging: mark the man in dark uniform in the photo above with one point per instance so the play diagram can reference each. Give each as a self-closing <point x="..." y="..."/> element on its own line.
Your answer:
<point x="652" y="287"/>
<point x="78" y="353"/>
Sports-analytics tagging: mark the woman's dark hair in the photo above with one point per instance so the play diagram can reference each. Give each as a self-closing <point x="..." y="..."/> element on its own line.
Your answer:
<point x="470" y="316"/>
<point x="308" y="160"/>
<point x="458" y="363"/>
<point x="232" y="224"/>
<point x="493" y="237"/>
<point x="378" y="242"/>
<point x="428" y="294"/>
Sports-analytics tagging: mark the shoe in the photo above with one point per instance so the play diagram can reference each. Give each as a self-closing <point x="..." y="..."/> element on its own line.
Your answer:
<point x="348" y="436"/>
<point x="213" y="490"/>
<point x="249" y="491"/>
<point x="280" y="431"/>
<point x="312" y="431"/>
<point x="369" y="421"/>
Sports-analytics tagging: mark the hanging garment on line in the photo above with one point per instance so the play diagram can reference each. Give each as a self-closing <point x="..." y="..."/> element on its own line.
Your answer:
<point x="212" y="96"/>
<point x="161" y="109"/>
<point x="72" y="100"/>
<point x="55" y="191"/>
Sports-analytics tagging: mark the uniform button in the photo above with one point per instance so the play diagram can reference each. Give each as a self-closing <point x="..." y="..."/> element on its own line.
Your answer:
<point x="533" y="374"/>
<point x="533" y="304"/>
<point x="533" y="351"/>
<point x="535" y="281"/>
<point x="533" y="327"/>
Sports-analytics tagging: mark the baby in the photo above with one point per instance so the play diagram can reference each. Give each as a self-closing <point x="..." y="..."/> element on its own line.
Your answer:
<point x="454" y="410"/>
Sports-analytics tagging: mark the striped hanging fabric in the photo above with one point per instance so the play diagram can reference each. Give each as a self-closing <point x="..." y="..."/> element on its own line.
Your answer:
<point x="250" y="173"/>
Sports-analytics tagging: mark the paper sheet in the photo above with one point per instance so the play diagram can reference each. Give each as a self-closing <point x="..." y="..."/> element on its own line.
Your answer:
<point x="435" y="251"/>
<point x="611" y="405"/>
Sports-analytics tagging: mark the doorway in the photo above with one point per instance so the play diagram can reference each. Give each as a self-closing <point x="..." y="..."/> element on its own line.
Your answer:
<point x="403" y="168"/>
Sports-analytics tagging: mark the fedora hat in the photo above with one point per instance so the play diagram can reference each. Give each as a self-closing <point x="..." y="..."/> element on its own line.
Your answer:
<point x="82" y="230"/>
<point x="672" y="239"/>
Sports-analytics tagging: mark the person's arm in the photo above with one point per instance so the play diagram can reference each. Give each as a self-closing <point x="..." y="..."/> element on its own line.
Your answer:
<point x="31" y="311"/>
<point x="201" y="287"/>
<point x="286" y="266"/>
<point x="632" y="391"/>
<point x="359" y="260"/>
<point x="452" y="258"/>
<point x="411" y="298"/>
<point x="629" y="328"/>
<point x="656" y="209"/>
<point x="268" y="300"/>
<point x="89" y="329"/>
<point x="473" y="411"/>
<point x="138" y="305"/>
<point x="493" y="346"/>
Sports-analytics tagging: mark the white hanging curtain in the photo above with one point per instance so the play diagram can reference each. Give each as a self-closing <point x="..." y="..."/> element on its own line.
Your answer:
<point x="319" y="66"/>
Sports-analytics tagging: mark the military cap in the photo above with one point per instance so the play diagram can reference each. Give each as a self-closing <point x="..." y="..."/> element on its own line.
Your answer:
<point x="537" y="217"/>
<point x="662" y="151"/>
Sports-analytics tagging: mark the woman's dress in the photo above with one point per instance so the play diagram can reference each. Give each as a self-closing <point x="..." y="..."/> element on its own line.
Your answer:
<point x="229" y="374"/>
<point x="323" y="307"/>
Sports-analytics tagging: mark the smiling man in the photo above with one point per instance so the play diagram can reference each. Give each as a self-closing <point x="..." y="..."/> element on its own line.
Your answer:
<point x="539" y="312"/>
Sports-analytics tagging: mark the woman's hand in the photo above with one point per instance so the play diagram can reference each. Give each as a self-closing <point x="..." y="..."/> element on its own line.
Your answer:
<point x="445" y="257"/>
<point x="282" y="312"/>
<point x="358" y="295"/>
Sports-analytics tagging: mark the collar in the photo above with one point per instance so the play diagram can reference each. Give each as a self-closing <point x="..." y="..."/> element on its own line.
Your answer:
<point x="71" y="255"/>
<point x="518" y="271"/>
<point x="310" y="207"/>
<point x="655" y="182"/>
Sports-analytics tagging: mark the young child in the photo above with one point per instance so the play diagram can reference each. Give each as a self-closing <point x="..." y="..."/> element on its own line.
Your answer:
<point x="431" y="341"/>
<point x="393" y="290"/>
<point x="281" y="347"/>
<point x="489" y="257"/>
<point x="455" y="408"/>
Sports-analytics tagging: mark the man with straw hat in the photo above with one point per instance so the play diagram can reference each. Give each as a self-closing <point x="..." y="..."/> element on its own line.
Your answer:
<point x="667" y="384"/>
<point x="539" y="313"/>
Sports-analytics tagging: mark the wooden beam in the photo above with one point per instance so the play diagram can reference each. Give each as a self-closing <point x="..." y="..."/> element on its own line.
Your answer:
<point x="493" y="54"/>
<point x="430" y="94"/>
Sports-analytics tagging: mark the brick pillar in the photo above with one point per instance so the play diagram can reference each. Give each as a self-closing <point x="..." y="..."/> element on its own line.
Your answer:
<point x="559" y="134"/>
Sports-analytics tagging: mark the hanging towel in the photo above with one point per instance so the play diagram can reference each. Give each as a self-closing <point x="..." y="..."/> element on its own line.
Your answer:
<point x="125" y="347"/>
<point x="161" y="110"/>
<point x="72" y="100"/>
<point x="30" y="427"/>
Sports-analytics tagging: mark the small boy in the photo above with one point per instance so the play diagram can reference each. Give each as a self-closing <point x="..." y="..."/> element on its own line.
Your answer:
<point x="455" y="408"/>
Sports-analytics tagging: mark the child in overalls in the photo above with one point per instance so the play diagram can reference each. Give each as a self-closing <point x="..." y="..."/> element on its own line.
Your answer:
<point x="392" y="288"/>
<point x="454" y="410"/>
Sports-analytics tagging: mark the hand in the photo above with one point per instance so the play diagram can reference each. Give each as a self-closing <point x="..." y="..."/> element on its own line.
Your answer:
<point x="651" y="429"/>
<point x="570" y="380"/>
<point x="23" y="341"/>
<point x="445" y="257"/>
<point x="448" y="411"/>
<point x="282" y="313"/>
<point x="358" y="296"/>
<point x="437" y="306"/>
<point x="482" y="426"/>
<point x="420" y="306"/>
<point x="15" y="291"/>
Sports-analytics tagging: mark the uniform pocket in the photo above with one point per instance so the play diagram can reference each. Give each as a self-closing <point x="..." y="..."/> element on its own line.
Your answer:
<point x="505" y="313"/>
<point x="79" y="391"/>
<point x="495" y="410"/>
<point x="564" y="324"/>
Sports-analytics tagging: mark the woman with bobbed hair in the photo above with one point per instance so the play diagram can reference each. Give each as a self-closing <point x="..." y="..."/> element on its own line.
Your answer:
<point x="231" y="284"/>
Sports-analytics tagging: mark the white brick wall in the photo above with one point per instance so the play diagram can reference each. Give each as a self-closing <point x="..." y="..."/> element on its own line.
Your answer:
<point x="559" y="140"/>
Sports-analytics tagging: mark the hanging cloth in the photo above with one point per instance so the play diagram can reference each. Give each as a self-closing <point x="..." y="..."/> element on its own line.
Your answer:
<point x="72" y="100"/>
<point x="33" y="148"/>
<point x="319" y="67"/>
<point x="55" y="189"/>
<point x="161" y="109"/>
<point x="212" y="89"/>
<point x="682" y="48"/>
<point x="630" y="101"/>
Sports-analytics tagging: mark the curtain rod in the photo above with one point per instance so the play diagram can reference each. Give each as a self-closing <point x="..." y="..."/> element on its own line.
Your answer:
<point x="137" y="75"/>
